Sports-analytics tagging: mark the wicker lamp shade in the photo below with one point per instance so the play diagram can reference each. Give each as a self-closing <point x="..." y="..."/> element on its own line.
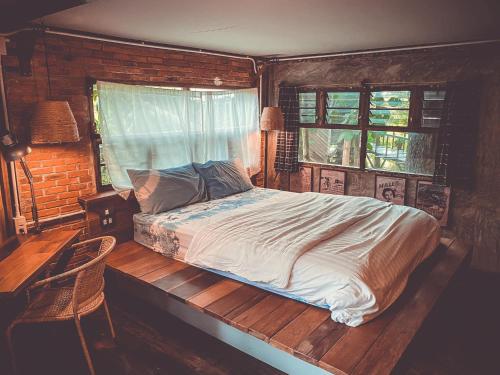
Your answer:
<point x="53" y="122"/>
<point x="272" y="119"/>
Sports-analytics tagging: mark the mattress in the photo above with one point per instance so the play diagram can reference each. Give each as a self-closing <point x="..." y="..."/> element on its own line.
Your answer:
<point x="321" y="277"/>
<point x="171" y="232"/>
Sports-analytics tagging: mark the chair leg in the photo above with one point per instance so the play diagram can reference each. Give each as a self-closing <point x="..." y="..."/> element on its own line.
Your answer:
<point x="11" y="348"/>
<point x="84" y="345"/>
<point x="110" y="322"/>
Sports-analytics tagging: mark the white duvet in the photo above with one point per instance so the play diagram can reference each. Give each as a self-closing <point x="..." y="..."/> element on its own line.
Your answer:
<point x="352" y="254"/>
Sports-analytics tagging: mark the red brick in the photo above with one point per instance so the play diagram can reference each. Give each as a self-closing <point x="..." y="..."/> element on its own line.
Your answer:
<point x="71" y="166"/>
<point x="70" y="194"/>
<point x="47" y="198"/>
<point x="67" y="181"/>
<point x="57" y="189"/>
<point x="45" y="184"/>
<point x="48" y="212"/>
<point x="71" y="207"/>
<point x="41" y="171"/>
<point x="78" y="174"/>
<point x="52" y="204"/>
<point x="54" y="176"/>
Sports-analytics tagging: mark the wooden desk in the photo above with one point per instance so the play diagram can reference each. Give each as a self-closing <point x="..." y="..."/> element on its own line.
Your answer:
<point x="26" y="262"/>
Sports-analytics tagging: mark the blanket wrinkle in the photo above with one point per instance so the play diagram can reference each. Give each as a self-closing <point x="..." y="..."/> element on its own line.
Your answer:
<point x="261" y="242"/>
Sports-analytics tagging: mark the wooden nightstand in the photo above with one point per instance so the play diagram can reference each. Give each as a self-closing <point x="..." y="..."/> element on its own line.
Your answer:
<point x="108" y="213"/>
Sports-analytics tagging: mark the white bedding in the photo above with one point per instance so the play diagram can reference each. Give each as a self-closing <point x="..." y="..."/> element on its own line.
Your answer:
<point x="261" y="242"/>
<point x="354" y="259"/>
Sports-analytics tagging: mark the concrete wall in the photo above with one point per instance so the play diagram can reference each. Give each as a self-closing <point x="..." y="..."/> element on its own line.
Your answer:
<point x="474" y="214"/>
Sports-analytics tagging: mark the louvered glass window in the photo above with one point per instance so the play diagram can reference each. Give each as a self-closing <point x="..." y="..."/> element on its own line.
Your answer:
<point x="342" y="108"/>
<point x="389" y="108"/>
<point x="307" y="107"/>
<point x="432" y="108"/>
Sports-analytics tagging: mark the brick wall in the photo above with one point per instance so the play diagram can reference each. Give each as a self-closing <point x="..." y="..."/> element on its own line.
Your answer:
<point x="63" y="173"/>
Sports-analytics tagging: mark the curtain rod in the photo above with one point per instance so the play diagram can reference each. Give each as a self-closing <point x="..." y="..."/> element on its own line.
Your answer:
<point x="361" y="85"/>
<point x="370" y="84"/>
<point x="382" y="50"/>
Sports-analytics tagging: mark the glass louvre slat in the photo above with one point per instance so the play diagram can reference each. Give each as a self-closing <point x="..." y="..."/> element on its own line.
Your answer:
<point x="342" y="108"/>
<point x="342" y="100"/>
<point x="390" y="99"/>
<point x="433" y="104"/>
<point x="389" y="108"/>
<point x="307" y="100"/>
<point x="389" y="117"/>
<point x="105" y="179"/>
<point x="342" y="116"/>
<point x="307" y="107"/>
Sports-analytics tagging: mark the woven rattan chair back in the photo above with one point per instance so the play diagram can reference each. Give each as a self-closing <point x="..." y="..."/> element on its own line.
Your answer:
<point x="89" y="283"/>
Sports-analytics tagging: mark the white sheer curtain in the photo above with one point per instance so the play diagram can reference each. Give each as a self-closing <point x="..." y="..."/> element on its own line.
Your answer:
<point x="153" y="128"/>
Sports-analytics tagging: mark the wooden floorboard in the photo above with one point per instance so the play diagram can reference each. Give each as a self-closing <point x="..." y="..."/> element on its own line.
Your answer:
<point x="303" y="330"/>
<point x="299" y="329"/>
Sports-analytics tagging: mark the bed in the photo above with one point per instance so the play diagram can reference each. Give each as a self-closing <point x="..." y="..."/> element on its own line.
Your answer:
<point x="354" y="260"/>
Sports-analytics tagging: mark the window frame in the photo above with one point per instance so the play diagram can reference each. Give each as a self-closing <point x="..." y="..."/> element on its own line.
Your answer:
<point x="95" y="137"/>
<point x="316" y="109"/>
<point x="414" y="119"/>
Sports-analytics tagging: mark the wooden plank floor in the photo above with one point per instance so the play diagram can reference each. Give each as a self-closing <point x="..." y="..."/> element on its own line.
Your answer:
<point x="305" y="331"/>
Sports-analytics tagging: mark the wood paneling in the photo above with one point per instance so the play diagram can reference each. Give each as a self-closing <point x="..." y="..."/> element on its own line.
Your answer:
<point x="300" y="329"/>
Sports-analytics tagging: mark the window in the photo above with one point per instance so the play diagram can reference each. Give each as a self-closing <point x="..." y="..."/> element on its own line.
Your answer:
<point x="389" y="108"/>
<point x="144" y="127"/>
<point x="102" y="174"/>
<point x="330" y="146"/>
<point x="342" y="108"/>
<point x="307" y="107"/>
<point x="433" y="104"/>
<point x="401" y="152"/>
<point x="392" y="130"/>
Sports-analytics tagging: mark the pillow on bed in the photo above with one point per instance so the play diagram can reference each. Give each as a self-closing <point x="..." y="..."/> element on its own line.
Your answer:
<point x="159" y="190"/>
<point x="224" y="178"/>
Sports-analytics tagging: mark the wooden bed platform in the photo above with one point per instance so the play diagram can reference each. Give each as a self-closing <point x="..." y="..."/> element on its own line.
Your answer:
<point x="305" y="331"/>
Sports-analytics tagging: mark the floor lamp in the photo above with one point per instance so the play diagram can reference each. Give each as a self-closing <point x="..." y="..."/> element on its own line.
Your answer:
<point x="271" y="120"/>
<point x="13" y="151"/>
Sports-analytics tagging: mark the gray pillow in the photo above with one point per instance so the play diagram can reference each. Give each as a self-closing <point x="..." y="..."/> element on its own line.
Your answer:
<point x="223" y="178"/>
<point x="159" y="190"/>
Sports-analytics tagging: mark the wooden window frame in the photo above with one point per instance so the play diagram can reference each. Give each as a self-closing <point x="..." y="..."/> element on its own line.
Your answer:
<point x="317" y="108"/>
<point x="96" y="137"/>
<point x="414" y="119"/>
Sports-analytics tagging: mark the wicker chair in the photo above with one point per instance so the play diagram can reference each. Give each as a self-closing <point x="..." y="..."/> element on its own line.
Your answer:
<point x="84" y="296"/>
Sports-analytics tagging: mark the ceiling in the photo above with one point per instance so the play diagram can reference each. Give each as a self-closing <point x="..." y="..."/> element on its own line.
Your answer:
<point x="286" y="27"/>
<point x="14" y="14"/>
